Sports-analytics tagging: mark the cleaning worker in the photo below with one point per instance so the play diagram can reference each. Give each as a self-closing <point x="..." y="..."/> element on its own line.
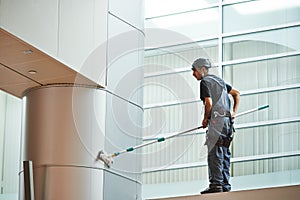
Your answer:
<point x="219" y="120"/>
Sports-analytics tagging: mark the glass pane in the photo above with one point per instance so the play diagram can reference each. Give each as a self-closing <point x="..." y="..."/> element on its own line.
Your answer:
<point x="169" y="120"/>
<point x="256" y="14"/>
<point x="155" y="8"/>
<point x="283" y="105"/>
<point x="266" y="140"/>
<point x="179" y="56"/>
<point x="180" y="150"/>
<point x="263" y="74"/>
<point x="10" y="145"/>
<point x="266" y="173"/>
<point x="170" y="88"/>
<point x="179" y="175"/>
<point x="193" y="25"/>
<point x="261" y="176"/>
<point x="260" y="44"/>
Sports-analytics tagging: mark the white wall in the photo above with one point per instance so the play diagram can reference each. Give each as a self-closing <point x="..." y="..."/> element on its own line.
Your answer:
<point x="68" y="30"/>
<point x="124" y="103"/>
<point x="107" y="35"/>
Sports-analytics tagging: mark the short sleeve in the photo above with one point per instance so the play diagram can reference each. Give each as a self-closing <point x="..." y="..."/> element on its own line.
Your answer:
<point x="228" y="87"/>
<point x="204" y="91"/>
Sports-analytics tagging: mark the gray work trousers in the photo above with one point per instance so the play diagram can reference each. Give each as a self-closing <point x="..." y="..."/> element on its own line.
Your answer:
<point x="219" y="161"/>
<point x="219" y="167"/>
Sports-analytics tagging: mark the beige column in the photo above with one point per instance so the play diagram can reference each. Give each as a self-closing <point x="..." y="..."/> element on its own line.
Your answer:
<point x="64" y="128"/>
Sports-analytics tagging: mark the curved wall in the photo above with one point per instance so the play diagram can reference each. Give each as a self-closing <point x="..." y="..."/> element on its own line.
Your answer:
<point x="64" y="129"/>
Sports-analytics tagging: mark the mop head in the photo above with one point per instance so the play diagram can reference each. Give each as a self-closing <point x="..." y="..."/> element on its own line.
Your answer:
<point x="106" y="159"/>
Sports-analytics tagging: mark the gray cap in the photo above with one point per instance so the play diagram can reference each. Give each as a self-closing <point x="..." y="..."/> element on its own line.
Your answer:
<point x="200" y="62"/>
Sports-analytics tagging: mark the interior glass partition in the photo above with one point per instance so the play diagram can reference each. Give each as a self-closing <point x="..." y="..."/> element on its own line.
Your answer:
<point x="251" y="15"/>
<point x="279" y="41"/>
<point x="194" y="24"/>
<point x="256" y="45"/>
<point x="266" y="73"/>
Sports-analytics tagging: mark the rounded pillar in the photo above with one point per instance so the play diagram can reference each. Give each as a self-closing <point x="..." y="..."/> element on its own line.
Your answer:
<point x="64" y="128"/>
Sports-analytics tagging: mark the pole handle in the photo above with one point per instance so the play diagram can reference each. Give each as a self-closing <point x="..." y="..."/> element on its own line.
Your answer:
<point x="263" y="107"/>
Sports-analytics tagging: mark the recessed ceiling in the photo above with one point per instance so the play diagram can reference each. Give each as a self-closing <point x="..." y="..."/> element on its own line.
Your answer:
<point x="23" y="66"/>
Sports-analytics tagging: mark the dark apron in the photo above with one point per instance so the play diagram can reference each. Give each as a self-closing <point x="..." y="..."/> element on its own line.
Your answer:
<point x="220" y="123"/>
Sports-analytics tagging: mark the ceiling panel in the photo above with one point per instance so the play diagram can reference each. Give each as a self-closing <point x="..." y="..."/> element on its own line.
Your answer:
<point x="45" y="70"/>
<point x="14" y="51"/>
<point x="23" y="66"/>
<point x="14" y="83"/>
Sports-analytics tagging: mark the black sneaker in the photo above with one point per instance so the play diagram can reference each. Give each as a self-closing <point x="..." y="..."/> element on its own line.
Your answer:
<point x="226" y="189"/>
<point x="212" y="190"/>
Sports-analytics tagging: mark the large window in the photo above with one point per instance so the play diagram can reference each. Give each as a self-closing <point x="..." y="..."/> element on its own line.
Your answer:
<point x="283" y="40"/>
<point x="10" y="142"/>
<point x="193" y="24"/>
<point x="246" y="16"/>
<point x="257" y="51"/>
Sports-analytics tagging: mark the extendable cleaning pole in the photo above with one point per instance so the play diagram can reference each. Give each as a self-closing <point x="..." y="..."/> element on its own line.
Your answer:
<point x="253" y="110"/>
<point x="108" y="159"/>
